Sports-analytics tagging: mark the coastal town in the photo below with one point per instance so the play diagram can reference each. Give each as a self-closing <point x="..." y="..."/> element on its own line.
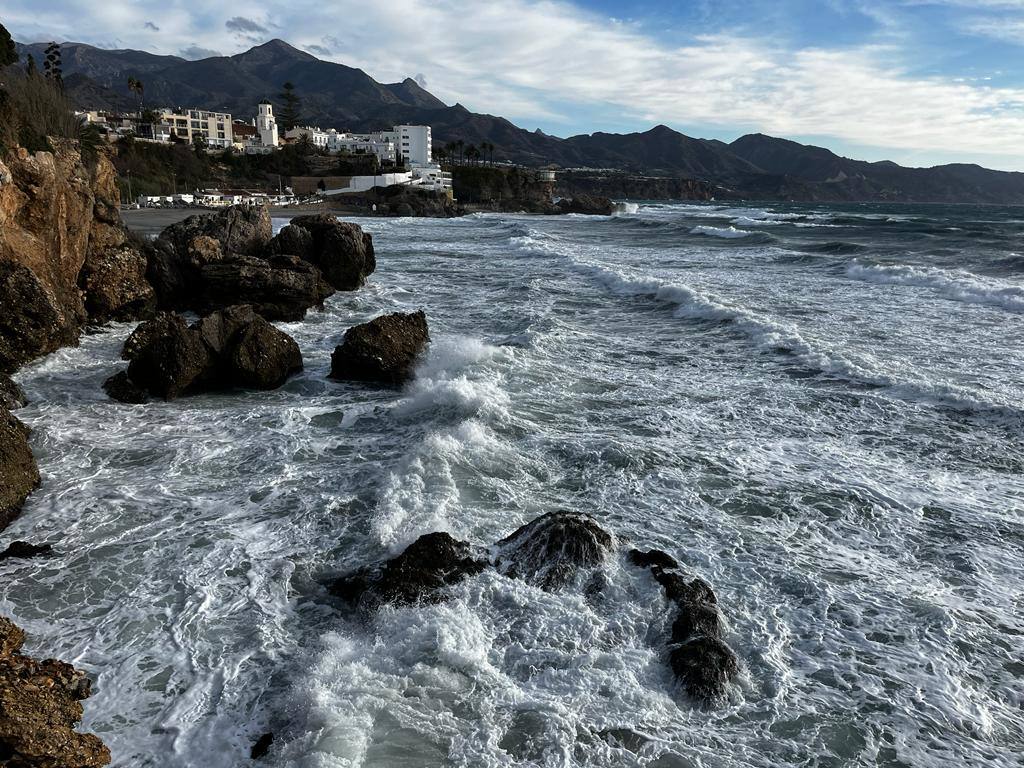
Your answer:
<point x="403" y="154"/>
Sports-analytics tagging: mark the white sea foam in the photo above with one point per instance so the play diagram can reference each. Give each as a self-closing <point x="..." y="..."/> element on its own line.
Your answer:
<point x="626" y="209"/>
<point x="728" y="233"/>
<point x="958" y="285"/>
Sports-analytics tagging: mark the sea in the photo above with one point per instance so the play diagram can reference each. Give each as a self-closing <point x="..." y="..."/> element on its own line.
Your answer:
<point x="819" y="409"/>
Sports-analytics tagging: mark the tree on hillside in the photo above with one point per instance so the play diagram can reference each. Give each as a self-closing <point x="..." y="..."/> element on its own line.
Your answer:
<point x="52" y="66"/>
<point x="30" y="66"/>
<point x="136" y="87"/>
<point x="472" y="153"/>
<point x="291" y="106"/>
<point x="488" y="149"/>
<point x="8" y="53"/>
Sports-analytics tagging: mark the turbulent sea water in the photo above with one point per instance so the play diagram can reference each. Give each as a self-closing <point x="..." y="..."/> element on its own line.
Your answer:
<point x="819" y="410"/>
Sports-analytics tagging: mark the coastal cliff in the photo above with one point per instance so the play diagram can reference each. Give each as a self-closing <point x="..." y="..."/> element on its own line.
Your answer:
<point x="65" y="258"/>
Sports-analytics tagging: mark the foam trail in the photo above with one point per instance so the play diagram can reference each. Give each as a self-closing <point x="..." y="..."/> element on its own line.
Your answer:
<point x="729" y="233"/>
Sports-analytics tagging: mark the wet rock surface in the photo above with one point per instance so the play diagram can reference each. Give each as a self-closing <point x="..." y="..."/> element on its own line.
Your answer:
<point x="550" y="551"/>
<point x="19" y="474"/>
<point x="11" y="395"/>
<point x="40" y="705"/>
<point x="382" y="351"/>
<point x="432" y="562"/>
<point x="586" y="204"/>
<point x="228" y="349"/>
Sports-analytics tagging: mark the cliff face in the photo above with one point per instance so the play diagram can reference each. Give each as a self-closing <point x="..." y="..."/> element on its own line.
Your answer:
<point x="623" y="186"/>
<point x="65" y="258"/>
<point x="502" y="189"/>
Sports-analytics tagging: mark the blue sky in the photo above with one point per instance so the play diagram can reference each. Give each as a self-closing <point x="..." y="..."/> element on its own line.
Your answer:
<point x="917" y="81"/>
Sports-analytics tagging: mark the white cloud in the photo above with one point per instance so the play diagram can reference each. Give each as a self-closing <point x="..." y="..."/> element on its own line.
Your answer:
<point x="532" y="59"/>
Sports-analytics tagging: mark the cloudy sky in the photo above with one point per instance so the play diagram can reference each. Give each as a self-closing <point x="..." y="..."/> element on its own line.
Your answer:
<point x="917" y="81"/>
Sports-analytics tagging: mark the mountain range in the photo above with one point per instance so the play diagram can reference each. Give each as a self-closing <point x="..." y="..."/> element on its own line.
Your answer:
<point x="346" y="98"/>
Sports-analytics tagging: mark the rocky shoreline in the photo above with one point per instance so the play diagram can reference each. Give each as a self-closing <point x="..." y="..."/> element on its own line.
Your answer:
<point x="67" y="262"/>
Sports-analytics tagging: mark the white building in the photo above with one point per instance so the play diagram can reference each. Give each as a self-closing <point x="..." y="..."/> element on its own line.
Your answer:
<point x="266" y="125"/>
<point x="414" y="143"/>
<point x="320" y="138"/>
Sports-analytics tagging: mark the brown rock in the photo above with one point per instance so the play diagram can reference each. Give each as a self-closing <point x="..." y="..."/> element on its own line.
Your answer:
<point x="262" y="357"/>
<point x="19" y="475"/>
<point x="170" y="363"/>
<point x="280" y="288"/>
<point x="341" y="251"/>
<point x="383" y="350"/>
<point x="40" y="705"/>
<point x="11" y="395"/>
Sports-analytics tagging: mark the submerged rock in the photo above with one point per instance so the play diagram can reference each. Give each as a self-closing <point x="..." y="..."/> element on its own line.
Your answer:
<point x="261" y="747"/>
<point x="40" y="705"/>
<point x="21" y="550"/>
<point x="19" y="475"/>
<point x="550" y="551"/>
<point x="341" y="251"/>
<point x="382" y="351"/>
<point x="231" y="348"/>
<point x="432" y="562"/>
<point x="11" y="395"/>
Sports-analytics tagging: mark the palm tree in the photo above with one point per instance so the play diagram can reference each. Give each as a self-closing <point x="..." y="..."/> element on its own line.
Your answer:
<point x="490" y="152"/>
<point x="450" y="148"/>
<point x="136" y="87"/>
<point x="440" y="154"/>
<point x="460" y="145"/>
<point x="472" y="153"/>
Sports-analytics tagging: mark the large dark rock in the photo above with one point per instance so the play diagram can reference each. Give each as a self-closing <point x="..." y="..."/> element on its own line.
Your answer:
<point x="40" y="705"/>
<point x="188" y="264"/>
<point x="262" y="357"/>
<point x="342" y="251"/>
<point x="419" y="574"/>
<point x="31" y="321"/>
<point x="383" y="350"/>
<point x="587" y="204"/>
<point x="230" y="348"/>
<point x="705" y="665"/>
<point x="551" y="550"/>
<point x="11" y="395"/>
<point x="19" y="475"/>
<point x="23" y="550"/>
<point x="279" y="288"/>
<point x="172" y="362"/>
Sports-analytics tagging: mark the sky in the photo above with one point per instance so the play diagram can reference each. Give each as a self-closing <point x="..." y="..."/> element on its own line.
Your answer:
<point x="920" y="82"/>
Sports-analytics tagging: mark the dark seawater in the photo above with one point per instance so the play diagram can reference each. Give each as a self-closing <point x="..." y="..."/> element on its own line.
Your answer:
<point x="818" y="409"/>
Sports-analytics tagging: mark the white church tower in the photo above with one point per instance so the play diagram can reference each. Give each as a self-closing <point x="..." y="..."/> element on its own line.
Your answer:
<point x="266" y="124"/>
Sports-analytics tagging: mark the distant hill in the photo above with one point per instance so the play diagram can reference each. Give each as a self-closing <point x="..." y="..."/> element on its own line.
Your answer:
<point x="346" y="98"/>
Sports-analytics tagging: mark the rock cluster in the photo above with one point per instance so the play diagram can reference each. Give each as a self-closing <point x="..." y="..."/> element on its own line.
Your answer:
<point x="40" y="705"/>
<point x="65" y="258"/>
<point x="553" y="552"/>
<point x="382" y="351"/>
<point x="228" y="349"/>
<point x="212" y="261"/>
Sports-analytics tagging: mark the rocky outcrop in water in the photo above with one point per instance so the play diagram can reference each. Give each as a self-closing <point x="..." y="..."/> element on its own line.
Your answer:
<point x="40" y="705"/>
<point x="586" y="204"/>
<point x="341" y="251"/>
<point x="19" y="475"/>
<point x="554" y="552"/>
<point x="65" y="259"/>
<point x="23" y="550"/>
<point x="211" y="261"/>
<point x="419" y="574"/>
<point x="701" y="660"/>
<point x="382" y="351"/>
<point x="11" y="395"/>
<point x="228" y="349"/>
